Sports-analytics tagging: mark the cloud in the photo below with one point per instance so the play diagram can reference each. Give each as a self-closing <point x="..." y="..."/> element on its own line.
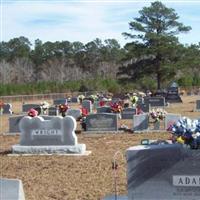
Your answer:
<point x="73" y="20"/>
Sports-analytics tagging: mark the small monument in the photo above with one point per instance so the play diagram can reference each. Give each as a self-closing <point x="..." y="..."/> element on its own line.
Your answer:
<point x="172" y="95"/>
<point x="48" y="136"/>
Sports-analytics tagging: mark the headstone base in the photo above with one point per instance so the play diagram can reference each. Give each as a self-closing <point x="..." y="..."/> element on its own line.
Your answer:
<point x="75" y="149"/>
<point x="11" y="189"/>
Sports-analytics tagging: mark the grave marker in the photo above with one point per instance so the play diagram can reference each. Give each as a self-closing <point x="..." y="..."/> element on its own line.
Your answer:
<point x="128" y="113"/>
<point x="88" y="105"/>
<point x="27" y="107"/>
<point x="11" y="189"/>
<point x="102" y="122"/>
<point x="104" y="109"/>
<point x="155" y="101"/>
<point x="7" y="108"/>
<point x="57" y="102"/>
<point x="163" y="172"/>
<point x="197" y="105"/>
<point x="48" y="136"/>
<point x="76" y="113"/>
<point x="170" y="119"/>
<point x="52" y="111"/>
<point x="140" y="122"/>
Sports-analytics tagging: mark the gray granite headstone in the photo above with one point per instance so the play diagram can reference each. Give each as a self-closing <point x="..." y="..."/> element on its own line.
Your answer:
<point x="140" y="122"/>
<point x="155" y="101"/>
<point x="14" y="122"/>
<point x="59" y="101"/>
<point x="104" y="109"/>
<point x="170" y="119"/>
<point x="54" y="135"/>
<point x="197" y="105"/>
<point x="76" y="113"/>
<point x="163" y="172"/>
<point x="88" y="105"/>
<point x="7" y="108"/>
<point x="74" y="100"/>
<point x="52" y="110"/>
<point x="144" y="107"/>
<point x="102" y="122"/>
<point x="27" y="107"/>
<point x="11" y="189"/>
<point x="128" y="113"/>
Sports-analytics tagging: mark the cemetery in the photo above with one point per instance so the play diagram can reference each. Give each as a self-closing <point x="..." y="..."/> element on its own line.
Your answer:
<point x="33" y="148"/>
<point x="111" y="119"/>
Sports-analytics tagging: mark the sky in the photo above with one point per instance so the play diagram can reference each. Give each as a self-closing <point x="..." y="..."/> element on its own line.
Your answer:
<point x="85" y="20"/>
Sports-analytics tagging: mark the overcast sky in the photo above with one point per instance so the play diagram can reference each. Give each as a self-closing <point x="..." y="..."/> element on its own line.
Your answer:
<point x="81" y="20"/>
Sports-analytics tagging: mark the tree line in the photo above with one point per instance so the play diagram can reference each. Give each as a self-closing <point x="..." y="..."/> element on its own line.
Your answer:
<point x="154" y="57"/>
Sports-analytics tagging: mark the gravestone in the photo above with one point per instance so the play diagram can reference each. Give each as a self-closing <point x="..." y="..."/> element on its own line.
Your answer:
<point x="48" y="136"/>
<point x="198" y="105"/>
<point x="104" y="109"/>
<point x="76" y="113"/>
<point x="7" y="108"/>
<point x="52" y="111"/>
<point x="57" y="102"/>
<point x="155" y="101"/>
<point x="144" y="107"/>
<point x="14" y="122"/>
<point x="172" y="95"/>
<point x="128" y="113"/>
<point x="88" y="105"/>
<point x="102" y="122"/>
<point x="140" y="122"/>
<point x="170" y="119"/>
<point x="27" y="107"/>
<point x="11" y="189"/>
<point x="74" y="100"/>
<point x="163" y="172"/>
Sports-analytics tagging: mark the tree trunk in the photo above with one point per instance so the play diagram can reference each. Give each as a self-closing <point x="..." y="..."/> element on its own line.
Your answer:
<point x="158" y="80"/>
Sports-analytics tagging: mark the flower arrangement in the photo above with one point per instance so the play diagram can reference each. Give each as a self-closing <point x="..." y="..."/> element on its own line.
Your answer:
<point x="157" y="114"/>
<point x="186" y="131"/>
<point x="116" y="107"/>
